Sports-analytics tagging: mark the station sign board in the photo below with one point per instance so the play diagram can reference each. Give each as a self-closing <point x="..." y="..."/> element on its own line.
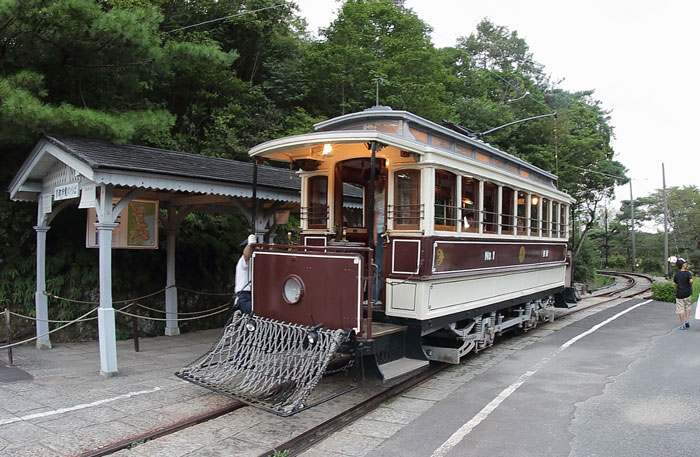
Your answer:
<point x="137" y="229"/>
<point x="66" y="191"/>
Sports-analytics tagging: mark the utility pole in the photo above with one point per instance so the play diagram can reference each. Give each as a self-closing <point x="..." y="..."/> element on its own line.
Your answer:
<point x="605" y="218"/>
<point x="663" y="176"/>
<point x="634" y="253"/>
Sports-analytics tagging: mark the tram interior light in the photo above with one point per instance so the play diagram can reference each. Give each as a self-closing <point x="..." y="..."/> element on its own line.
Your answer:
<point x="535" y="200"/>
<point x="327" y="150"/>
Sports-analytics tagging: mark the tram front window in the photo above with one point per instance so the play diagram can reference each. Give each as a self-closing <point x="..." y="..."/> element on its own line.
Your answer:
<point x="407" y="209"/>
<point x="317" y="210"/>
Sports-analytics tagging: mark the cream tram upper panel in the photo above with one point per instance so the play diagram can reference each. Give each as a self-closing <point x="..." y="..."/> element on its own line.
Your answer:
<point x="403" y="132"/>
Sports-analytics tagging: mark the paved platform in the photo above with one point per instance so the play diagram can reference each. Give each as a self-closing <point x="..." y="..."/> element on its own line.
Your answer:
<point x="54" y="402"/>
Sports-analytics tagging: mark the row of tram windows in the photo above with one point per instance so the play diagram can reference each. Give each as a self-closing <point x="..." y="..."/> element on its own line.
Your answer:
<point x="483" y="206"/>
<point x="486" y="207"/>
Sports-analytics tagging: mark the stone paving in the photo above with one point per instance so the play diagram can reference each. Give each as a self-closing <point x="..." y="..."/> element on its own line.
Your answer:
<point x="55" y="403"/>
<point x="62" y="406"/>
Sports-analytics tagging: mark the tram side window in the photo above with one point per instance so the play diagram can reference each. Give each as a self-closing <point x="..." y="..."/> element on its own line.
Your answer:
<point x="535" y="203"/>
<point x="317" y="211"/>
<point x="470" y="205"/>
<point x="555" y="219"/>
<point x="522" y="214"/>
<point x="445" y="208"/>
<point x="545" y="217"/>
<point x="507" y="222"/>
<point x="490" y="208"/>
<point x="407" y="209"/>
<point x="563" y="221"/>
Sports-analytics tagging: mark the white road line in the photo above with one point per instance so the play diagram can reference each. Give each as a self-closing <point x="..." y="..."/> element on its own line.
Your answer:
<point x="76" y="407"/>
<point x="465" y="429"/>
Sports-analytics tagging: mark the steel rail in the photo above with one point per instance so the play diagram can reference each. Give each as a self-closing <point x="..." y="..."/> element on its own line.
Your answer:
<point x="307" y="439"/>
<point x="168" y="429"/>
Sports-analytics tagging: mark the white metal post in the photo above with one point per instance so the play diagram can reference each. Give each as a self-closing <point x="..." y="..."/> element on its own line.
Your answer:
<point x="105" y="313"/>
<point x="40" y="299"/>
<point x="171" y="326"/>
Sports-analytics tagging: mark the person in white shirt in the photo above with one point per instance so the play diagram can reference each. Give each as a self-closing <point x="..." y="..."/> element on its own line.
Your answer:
<point x="243" y="280"/>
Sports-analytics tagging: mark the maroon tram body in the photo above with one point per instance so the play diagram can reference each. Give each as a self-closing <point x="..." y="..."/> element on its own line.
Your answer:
<point x="474" y="240"/>
<point x="419" y="243"/>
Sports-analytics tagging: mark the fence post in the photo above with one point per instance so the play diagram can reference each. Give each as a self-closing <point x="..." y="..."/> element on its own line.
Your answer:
<point x="135" y="329"/>
<point x="8" y="335"/>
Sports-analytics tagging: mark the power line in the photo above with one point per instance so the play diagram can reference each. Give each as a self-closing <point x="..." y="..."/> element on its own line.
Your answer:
<point x="588" y="170"/>
<point x="225" y="17"/>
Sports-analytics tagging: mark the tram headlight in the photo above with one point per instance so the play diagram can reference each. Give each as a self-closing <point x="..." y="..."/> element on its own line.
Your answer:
<point x="312" y="336"/>
<point x="293" y="289"/>
<point x="250" y="325"/>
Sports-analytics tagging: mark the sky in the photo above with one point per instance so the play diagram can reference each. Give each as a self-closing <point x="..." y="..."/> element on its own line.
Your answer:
<point x="639" y="57"/>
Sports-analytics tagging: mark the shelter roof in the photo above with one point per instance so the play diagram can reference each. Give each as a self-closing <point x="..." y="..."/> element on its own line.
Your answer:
<point x="128" y="165"/>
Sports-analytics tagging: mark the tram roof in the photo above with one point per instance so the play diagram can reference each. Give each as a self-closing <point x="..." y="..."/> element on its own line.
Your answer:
<point x="367" y="126"/>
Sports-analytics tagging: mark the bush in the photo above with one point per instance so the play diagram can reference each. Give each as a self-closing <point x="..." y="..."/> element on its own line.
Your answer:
<point x="664" y="291"/>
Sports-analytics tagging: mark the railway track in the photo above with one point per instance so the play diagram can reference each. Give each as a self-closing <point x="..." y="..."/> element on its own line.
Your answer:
<point x="633" y="284"/>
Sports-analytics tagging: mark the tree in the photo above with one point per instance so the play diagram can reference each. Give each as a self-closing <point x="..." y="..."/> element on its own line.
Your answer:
<point x="683" y="219"/>
<point x="371" y="42"/>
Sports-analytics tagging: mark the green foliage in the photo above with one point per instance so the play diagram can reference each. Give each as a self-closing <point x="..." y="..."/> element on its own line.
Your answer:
<point x="664" y="291"/>
<point x="587" y="262"/>
<point x="129" y="71"/>
<point x="373" y="40"/>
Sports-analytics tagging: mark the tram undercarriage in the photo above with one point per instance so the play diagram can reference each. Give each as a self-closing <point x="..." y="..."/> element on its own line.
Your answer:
<point x="451" y="343"/>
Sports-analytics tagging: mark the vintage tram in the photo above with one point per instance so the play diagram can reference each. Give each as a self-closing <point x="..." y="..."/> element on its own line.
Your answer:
<point x="419" y="242"/>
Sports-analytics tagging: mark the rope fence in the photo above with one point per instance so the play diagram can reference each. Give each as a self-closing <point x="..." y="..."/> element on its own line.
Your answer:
<point x="130" y="303"/>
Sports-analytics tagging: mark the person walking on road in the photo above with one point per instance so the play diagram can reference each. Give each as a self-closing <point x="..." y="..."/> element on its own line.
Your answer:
<point x="684" y="289"/>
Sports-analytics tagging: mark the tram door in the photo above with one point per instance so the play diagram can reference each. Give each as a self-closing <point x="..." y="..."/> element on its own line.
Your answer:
<point x="352" y="197"/>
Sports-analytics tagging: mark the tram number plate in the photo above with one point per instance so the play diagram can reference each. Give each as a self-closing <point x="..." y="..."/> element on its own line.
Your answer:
<point x="489" y="256"/>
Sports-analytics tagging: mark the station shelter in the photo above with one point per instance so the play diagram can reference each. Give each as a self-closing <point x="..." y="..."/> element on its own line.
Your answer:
<point x="126" y="191"/>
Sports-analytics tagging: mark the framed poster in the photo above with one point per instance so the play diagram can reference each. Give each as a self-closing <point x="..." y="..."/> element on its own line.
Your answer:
<point x="137" y="229"/>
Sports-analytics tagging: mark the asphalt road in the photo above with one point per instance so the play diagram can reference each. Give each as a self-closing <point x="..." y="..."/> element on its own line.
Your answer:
<point x="622" y="382"/>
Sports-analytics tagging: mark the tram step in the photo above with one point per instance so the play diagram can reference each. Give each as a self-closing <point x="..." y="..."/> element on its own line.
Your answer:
<point x="400" y="367"/>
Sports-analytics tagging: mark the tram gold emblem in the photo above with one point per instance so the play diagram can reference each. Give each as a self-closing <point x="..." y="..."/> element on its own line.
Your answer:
<point x="439" y="257"/>
<point x="521" y="254"/>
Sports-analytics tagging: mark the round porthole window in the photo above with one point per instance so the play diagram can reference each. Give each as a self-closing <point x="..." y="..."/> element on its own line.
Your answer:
<point x="293" y="289"/>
